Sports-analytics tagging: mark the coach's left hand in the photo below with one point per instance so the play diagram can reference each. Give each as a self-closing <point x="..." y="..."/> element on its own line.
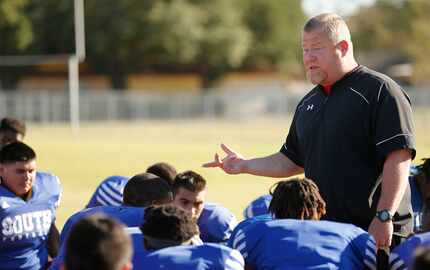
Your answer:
<point x="382" y="232"/>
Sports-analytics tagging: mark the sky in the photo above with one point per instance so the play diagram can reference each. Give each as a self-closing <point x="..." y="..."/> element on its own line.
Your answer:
<point x="342" y="7"/>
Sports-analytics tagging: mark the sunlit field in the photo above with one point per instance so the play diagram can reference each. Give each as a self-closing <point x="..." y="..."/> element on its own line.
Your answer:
<point x="99" y="150"/>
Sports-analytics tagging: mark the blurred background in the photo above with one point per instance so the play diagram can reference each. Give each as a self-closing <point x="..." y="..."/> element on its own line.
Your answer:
<point x="168" y="80"/>
<point x="191" y="58"/>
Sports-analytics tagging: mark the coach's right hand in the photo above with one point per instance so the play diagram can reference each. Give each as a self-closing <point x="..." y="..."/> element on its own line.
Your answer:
<point x="232" y="163"/>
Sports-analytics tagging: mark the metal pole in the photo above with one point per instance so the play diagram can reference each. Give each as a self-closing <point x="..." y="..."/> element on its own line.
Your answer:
<point x="74" y="64"/>
<point x="79" y="30"/>
<point x="74" y="93"/>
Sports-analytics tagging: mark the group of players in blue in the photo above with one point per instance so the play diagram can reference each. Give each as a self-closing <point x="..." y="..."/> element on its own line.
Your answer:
<point x="281" y="230"/>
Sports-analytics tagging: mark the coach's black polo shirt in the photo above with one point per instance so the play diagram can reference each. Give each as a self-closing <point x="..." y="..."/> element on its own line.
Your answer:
<point x="342" y="139"/>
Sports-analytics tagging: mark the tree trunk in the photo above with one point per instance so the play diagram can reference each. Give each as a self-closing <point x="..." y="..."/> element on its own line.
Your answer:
<point x="9" y="79"/>
<point x="209" y="76"/>
<point x="118" y="77"/>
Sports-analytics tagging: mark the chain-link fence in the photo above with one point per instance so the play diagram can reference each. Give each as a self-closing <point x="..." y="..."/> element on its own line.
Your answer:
<point x="51" y="106"/>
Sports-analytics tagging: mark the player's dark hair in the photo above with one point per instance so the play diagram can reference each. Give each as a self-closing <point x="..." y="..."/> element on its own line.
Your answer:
<point x="16" y="152"/>
<point x="421" y="258"/>
<point x="167" y="225"/>
<point x="145" y="189"/>
<point x="163" y="170"/>
<point x="13" y="125"/>
<point x="296" y="198"/>
<point x="97" y="242"/>
<point x="189" y="180"/>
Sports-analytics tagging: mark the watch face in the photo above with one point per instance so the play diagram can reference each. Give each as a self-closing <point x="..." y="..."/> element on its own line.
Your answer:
<point x="384" y="215"/>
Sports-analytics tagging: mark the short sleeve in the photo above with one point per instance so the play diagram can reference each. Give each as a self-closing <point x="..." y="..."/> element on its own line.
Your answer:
<point x="392" y="121"/>
<point x="291" y="146"/>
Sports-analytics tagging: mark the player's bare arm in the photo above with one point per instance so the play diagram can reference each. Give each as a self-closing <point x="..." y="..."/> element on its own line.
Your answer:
<point x="53" y="243"/>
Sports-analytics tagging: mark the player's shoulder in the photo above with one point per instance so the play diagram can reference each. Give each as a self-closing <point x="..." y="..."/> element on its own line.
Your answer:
<point x="248" y="228"/>
<point x="249" y="222"/>
<point x="6" y="193"/>
<point x="48" y="182"/>
<point x="220" y="256"/>
<point x="217" y="213"/>
<point x="259" y="206"/>
<point x="82" y="214"/>
<point x="47" y="178"/>
<point x="347" y="230"/>
<point x="401" y="256"/>
<point x="231" y="258"/>
<point x="216" y="223"/>
<point x="213" y="210"/>
<point x="416" y="240"/>
<point x="114" y="181"/>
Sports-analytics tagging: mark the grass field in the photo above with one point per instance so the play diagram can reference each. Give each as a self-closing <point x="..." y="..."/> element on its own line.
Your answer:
<point x="126" y="148"/>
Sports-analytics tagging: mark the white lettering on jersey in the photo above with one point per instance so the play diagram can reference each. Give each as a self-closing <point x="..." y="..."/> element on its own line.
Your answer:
<point x="5" y="205"/>
<point x="26" y="225"/>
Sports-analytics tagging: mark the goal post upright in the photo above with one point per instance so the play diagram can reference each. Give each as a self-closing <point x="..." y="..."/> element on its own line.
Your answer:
<point x="73" y="64"/>
<point x="72" y="61"/>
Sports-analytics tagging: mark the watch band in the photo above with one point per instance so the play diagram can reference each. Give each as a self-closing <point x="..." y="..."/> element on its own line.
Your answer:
<point x="384" y="215"/>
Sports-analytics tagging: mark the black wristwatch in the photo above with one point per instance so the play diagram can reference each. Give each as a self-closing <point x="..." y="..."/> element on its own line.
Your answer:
<point x="384" y="215"/>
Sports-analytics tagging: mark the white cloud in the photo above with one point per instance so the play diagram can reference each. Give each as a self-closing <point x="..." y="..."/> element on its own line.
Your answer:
<point x="342" y="7"/>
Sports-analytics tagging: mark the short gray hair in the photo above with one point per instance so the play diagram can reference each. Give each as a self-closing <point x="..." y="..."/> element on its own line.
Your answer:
<point x="330" y="23"/>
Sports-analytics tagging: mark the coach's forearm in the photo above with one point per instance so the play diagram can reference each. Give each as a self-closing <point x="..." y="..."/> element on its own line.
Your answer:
<point x="276" y="165"/>
<point x="394" y="179"/>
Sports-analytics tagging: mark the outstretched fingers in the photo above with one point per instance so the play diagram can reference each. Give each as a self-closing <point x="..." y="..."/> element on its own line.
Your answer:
<point x="228" y="150"/>
<point x="216" y="163"/>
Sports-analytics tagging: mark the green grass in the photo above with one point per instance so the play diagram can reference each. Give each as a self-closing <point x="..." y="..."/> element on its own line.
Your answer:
<point x="125" y="148"/>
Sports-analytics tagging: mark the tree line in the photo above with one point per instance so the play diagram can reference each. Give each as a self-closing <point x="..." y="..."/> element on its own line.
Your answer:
<point x="206" y="37"/>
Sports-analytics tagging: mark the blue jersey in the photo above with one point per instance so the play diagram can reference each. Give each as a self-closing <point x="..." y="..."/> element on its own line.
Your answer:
<point x="25" y="224"/>
<point x="401" y="256"/>
<point x="416" y="199"/>
<point x="109" y="192"/>
<point x="259" y="206"/>
<point x="305" y="244"/>
<point x="130" y="216"/>
<point x="216" y="223"/>
<point x="237" y="233"/>
<point x="208" y="256"/>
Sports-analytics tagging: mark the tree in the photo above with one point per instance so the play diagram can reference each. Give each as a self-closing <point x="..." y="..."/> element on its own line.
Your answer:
<point x="225" y="42"/>
<point x="16" y="36"/>
<point x="417" y="43"/>
<point x="400" y="26"/>
<point x="276" y="27"/>
<point x="207" y="37"/>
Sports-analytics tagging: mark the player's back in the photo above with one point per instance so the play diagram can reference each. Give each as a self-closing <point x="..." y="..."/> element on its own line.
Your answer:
<point x="131" y="217"/>
<point x="401" y="256"/>
<point x="109" y="192"/>
<point x="204" y="257"/>
<point x="238" y="231"/>
<point x="296" y="244"/>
